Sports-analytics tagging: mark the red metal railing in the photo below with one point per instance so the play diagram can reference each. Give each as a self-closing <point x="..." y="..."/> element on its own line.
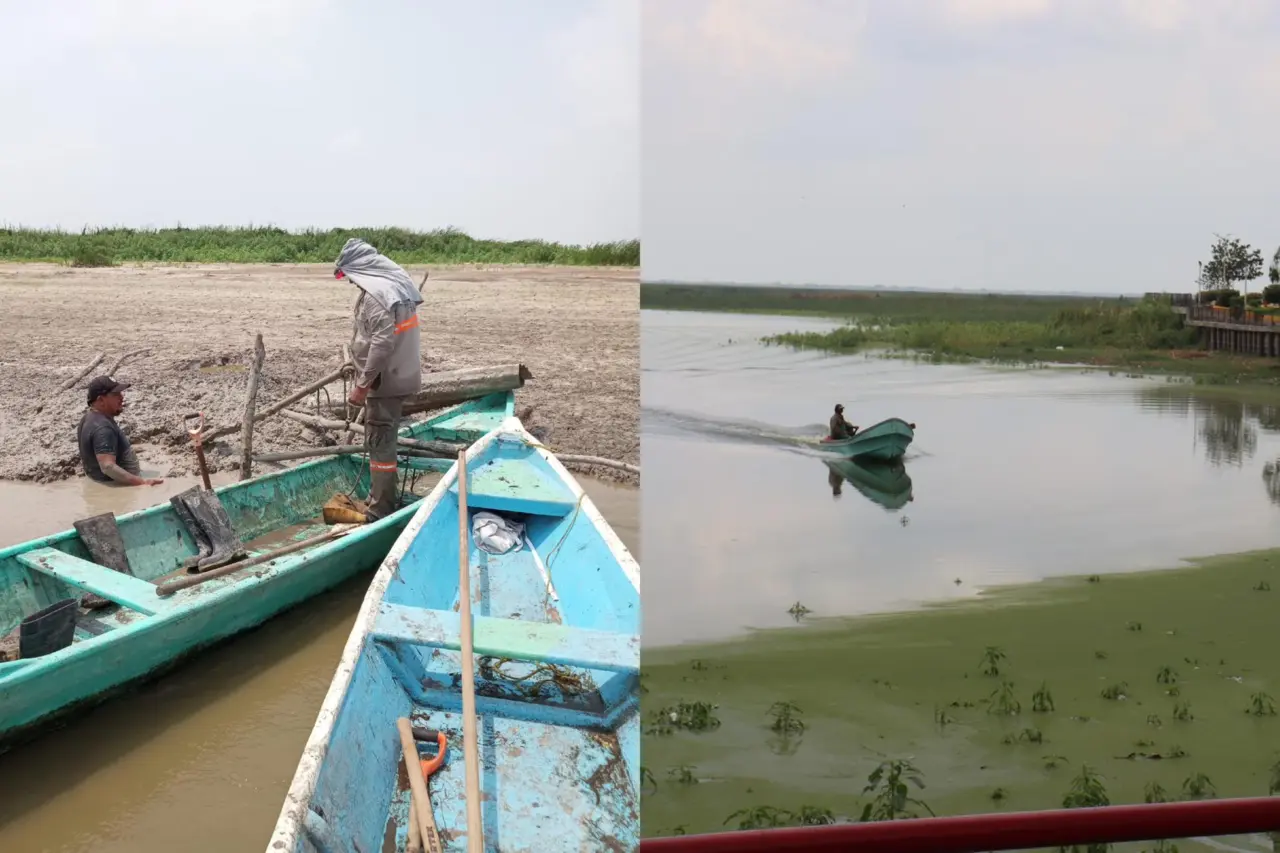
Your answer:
<point x="990" y="832"/>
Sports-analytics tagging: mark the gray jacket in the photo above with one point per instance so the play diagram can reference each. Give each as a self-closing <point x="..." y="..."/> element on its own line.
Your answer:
<point x="386" y="348"/>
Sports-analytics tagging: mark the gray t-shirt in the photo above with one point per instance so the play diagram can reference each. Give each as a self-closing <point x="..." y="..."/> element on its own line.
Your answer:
<point x="98" y="433"/>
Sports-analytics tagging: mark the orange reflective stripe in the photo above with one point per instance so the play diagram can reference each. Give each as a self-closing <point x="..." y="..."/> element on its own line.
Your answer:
<point x="411" y="323"/>
<point x="382" y="466"/>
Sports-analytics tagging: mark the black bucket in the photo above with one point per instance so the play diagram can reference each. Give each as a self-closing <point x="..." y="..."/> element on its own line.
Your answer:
<point x="49" y="630"/>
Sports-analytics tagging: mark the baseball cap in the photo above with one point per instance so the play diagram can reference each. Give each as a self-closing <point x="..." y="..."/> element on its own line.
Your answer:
<point x="102" y="385"/>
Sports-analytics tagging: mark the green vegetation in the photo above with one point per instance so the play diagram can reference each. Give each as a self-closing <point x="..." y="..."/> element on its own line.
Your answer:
<point x="267" y="245"/>
<point x="933" y="718"/>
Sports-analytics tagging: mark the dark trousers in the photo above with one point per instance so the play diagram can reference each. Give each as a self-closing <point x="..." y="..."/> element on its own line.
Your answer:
<point x="381" y="423"/>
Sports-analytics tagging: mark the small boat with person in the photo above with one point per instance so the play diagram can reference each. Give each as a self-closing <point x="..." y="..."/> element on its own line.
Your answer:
<point x="488" y="696"/>
<point x="888" y="439"/>
<point x="86" y="612"/>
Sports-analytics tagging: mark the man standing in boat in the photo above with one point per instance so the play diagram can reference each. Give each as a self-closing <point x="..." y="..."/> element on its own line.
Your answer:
<point x="386" y="349"/>
<point x="105" y="453"/>
<point x="840" y="428"/>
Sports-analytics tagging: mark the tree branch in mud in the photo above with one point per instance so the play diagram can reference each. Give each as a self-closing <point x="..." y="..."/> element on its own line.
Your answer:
<point x="85" y="371"/>
<point x="122" y="359"/>
<point x="276" y="407"/>
<point x="337" y="426"/>
<point x="250" y="400"/>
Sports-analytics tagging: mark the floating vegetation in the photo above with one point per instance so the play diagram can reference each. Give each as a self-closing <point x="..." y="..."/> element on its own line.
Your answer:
<point x="1100" y="654"/>
<point x="1261" y="705"/>
<point x="798" y="611"/>
<point x="999" y="795"/>
<point x="1133" y="626"/>
<point x="1115" y="692"/>
<point x="1262" y="586"/>
<point x="1088" y="790"/>
<point x="1053" y="762"/>
<point x="942" y="717"/>
<point x="891" y="796"/>
<point x="1166" y="675"/>
<point x="1155" y="793"/>
<point x="1042" y="700"/>
<point x="1027" y="735"/>
<point x="1182" y="712"/>
<point x="1003" y="702"/>
<point x="992" y="658"/>
<point x="697" y="665"/>
<point x="786" y="718"/>
<point x="771" y="817"/>
<point x="1198" y="787"/>
<point x="1154" y="721"/>
<point x="1273" y="780"/>
<point x="689" y="716"/>
<point x="683" y="775"/>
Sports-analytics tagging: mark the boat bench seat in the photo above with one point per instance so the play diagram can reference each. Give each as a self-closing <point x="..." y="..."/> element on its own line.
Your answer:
<point x="508" y="638"/>
<point x="125" y="590"/>
<point x="510" y="485"/>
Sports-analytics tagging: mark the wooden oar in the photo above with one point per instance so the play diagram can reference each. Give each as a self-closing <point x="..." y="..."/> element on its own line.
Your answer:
<point x="470" y="752"/>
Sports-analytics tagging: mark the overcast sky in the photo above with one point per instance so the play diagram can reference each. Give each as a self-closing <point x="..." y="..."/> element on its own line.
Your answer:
<point x="504" y="118"/>
<point x="1057" y="145"/>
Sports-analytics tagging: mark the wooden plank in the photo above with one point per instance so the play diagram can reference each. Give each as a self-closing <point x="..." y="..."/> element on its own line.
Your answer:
<point x="508" y="485"/>
<point x="133" y="593"/>
<point x="509" y="638"/>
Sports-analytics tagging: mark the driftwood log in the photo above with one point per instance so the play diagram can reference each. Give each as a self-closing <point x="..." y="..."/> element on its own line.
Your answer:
<point x="449" y="387"/>
<point x="449" y="447"/>
<point x="250" y="401"/>
<point x="111" y="371"/>
<point x="84" y="371"/>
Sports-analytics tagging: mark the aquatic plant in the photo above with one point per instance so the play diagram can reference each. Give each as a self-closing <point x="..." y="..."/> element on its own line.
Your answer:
<point x="942" y="717"/>
<point x="813" y="816"/>
<point x="1095" y="579"/>
<point x="1133" y="626"/>
<point x="1042" y="700"/>
<point x="1176" y="751"/>
<point x="1003" y="702"/>
<point x="1182" y="712"/>
<point x="683" y="775"/>
<point x="786" y="718"/>
<point x="1273" y="780"/>
<point x="647" y="780"/>
<point x="1100" y="654"/>
<point x="1262" y="586"/>
<point x="690" y="716"/>
<point x="1027" y="735"/>
<point x="1088" y="790"/>
<point x="1166" y="675"/>
<point x="761" y="817"/>
<point x="697" y="665"/>
<point x="798" y="611"/>
<point x="1261" y="705"/>
<point x="1052" y="762"/>
<point x="992" y="658"/>
<point x="1173" y="691"/>
<point x="1115" y="692"/>
<point x="1198" y="787"/>
<point x="1154" y="721"/>
<point x="999" y="795"/>
<point x="1165" y="846"/>
<point x="891" y="797"/>
<point x="1155" y="793"/>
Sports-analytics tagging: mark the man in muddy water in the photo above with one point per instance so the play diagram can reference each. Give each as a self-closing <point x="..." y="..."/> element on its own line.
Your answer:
<point x="105" y="452"/>
<point x="386" y="348"/>
<point x="840" y="428"/>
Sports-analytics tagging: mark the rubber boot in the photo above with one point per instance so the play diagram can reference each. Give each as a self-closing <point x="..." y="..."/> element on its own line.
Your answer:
<point x="49" y="630"/>
<point x="382" y="422"/>
<point x="203" y="546"/>
<point x="210" y="515"/>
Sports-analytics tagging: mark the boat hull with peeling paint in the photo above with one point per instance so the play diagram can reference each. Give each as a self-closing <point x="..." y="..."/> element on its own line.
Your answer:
<point x="145" y="634"/>
<point x="556" y="626"/>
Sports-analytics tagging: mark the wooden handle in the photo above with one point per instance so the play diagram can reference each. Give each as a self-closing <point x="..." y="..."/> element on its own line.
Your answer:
<point x="420" y="802"/>
<point x="470" y="751"/>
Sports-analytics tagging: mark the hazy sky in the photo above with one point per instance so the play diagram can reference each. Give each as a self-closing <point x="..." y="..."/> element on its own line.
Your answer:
<point x="1092" y="145"/>
<point x="504" y="118"/>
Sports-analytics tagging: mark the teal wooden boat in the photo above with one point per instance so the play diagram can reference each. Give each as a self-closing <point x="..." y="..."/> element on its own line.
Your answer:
<point x="888" y="439"/>
<point x="882" y="482"/>
<point x="146" y="631"/>
<point x="556" y="624"/>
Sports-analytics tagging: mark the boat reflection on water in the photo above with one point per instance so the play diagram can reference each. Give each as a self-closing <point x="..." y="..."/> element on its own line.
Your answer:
<point x="881" y="482"/>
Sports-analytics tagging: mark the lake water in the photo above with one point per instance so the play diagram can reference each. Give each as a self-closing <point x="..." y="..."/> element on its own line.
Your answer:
<point x="1015" y="475"/>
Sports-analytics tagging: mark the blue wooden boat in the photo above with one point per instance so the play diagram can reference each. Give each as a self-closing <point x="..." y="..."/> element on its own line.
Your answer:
<point x="888" y="439"/>
<point x="557" y="654"/>
<point x="147" y="631"/>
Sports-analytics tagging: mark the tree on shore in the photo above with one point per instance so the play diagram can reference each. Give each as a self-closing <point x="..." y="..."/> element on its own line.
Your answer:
<point x="1233" y="261"/>
<point x="1275" y="268"/>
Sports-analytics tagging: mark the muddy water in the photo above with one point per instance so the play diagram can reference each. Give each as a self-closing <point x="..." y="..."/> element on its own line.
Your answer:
<point x="202" y="758"/>
<point x="1015" y="475"/>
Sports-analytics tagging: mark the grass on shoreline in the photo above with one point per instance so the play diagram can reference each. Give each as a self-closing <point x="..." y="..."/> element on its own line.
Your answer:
<point x="1123" y="333"/>
<point x="268" y="245"/>
<point x="1149" y="678"/>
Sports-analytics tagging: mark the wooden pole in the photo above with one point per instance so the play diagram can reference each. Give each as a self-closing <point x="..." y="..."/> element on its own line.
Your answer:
<point x="449" y="447"/>
<point x="111" y="371"/>
<point x="417" y="786"/>
<point x="278" y="406"/>
<point x="471" y="753"/>
<point x="342" y="449"/>
<point x="250" y="400"/>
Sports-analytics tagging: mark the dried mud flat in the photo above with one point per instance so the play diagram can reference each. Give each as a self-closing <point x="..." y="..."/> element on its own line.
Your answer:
<point x="577" y="330"/>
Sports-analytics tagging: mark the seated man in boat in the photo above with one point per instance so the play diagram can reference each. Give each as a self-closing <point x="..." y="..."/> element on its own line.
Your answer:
<point x="105" y="452"/>
<point x="386" y="350"/>
<point x="840" y="428"/>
